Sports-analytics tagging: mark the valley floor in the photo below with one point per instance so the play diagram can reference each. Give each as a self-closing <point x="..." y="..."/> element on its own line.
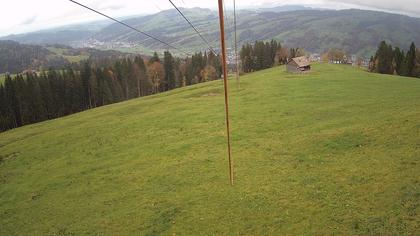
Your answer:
<point x="335" y="151"/>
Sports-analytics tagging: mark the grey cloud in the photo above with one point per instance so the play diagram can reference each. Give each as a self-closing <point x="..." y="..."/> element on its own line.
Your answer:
<point x="28" y="21"/>
<point x="111" y="7"/>
<point x="411" y="7"/>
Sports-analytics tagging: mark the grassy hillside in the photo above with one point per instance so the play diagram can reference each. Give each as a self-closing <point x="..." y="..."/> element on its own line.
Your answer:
<point x="335" y="151"/>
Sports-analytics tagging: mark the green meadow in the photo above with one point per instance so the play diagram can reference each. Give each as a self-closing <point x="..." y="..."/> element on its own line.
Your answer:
<point x="2" y="78"/>
<point x="64" y="53"/>
<point x="332" y="152"/>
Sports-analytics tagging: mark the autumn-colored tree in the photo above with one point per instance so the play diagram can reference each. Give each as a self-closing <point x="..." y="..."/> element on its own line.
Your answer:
<point x="296" y="52"/>
<point x="209" y="73"/>
<point x="182" y="80"/>
<point x="156" y="74"/>
<point x="300" y="52"/>
<point x="282" y="55"/>
<point x="359" y="61"/>
<point x="335" y="56"/>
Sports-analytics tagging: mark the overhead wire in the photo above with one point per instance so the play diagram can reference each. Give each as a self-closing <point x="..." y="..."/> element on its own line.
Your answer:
<point x="224" y="9"/>
<point x="131" y="27"/>
<point x="236" y="43"/>
<point x="195" y="29"/>
<point x="226" y="17"/>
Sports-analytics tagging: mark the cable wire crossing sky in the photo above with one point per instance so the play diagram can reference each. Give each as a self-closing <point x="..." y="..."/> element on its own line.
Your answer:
<point x="20" y="16"/>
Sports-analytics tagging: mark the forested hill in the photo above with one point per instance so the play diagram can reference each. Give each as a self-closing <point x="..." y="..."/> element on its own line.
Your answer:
<point x="356" y="31"/>
<point x="16" y="57"/>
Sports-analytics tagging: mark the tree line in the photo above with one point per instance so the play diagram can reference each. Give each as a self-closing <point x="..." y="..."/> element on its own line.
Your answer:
<point x="390" y="60"/>
<point x="34" y="97"/>
<point x="262" y="55"/>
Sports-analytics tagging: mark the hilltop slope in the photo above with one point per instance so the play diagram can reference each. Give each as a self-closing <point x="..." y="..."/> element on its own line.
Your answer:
<point x="332" y="152"/>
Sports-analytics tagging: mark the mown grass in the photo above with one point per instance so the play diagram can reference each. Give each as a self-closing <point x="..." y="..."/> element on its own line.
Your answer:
<point x="72" y="59"/>
<point x="335" y="151"/>
<point x="3" y="77"/>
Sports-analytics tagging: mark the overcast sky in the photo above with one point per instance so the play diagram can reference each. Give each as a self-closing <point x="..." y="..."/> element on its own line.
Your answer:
<point x="18" y="16"/>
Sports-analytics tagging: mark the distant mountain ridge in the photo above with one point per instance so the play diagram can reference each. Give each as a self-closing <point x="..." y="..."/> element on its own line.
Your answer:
<point x="356" y="31"/>
<point x="286" y="8"/>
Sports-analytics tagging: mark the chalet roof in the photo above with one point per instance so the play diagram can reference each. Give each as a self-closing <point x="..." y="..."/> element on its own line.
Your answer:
<point x="300" y="61"/>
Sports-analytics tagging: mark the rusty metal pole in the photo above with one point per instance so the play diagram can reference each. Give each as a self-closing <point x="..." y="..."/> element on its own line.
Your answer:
<point x="225" y="82"/>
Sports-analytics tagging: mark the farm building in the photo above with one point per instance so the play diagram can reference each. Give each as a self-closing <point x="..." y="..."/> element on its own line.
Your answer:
<point x="298" y="65"/>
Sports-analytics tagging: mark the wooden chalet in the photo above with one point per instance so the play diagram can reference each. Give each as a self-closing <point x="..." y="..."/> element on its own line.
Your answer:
<point x="298" y="65"/>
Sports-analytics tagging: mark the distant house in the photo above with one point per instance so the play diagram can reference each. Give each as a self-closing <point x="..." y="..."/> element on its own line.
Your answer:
<point x="29" y="71"/>
<point x="298" y="65"/>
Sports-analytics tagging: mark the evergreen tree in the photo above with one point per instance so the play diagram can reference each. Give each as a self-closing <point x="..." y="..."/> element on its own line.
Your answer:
<point x="22" y="93"/>
<point x="93" y="88"/>
<point x="34" y="100"/>
<point x="46" y="96"/>
<point x="106" y="88"/>
<point x="168" y="64"/>
<point x="177" y="72"/>
<point x="217" y="65"/>
<point x="399" y="60"/>
<point x="4" y="121"/>
<point x="85" y="75"/>
<point x="124" y="75"/>
<point x="139" y="71"/>
<point x="154" y="58"/>
<point x="411" y="60"/>
<point x="384" y="56"/>
<point x="260" y="55"/>
<point x="245" y="54"/>
<point x="71" y="97"/>
<point x="268" y="60"/>
<point x="13" y="107"/>
<point x="117" y="92"/>
<point x="404" y="65"/>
